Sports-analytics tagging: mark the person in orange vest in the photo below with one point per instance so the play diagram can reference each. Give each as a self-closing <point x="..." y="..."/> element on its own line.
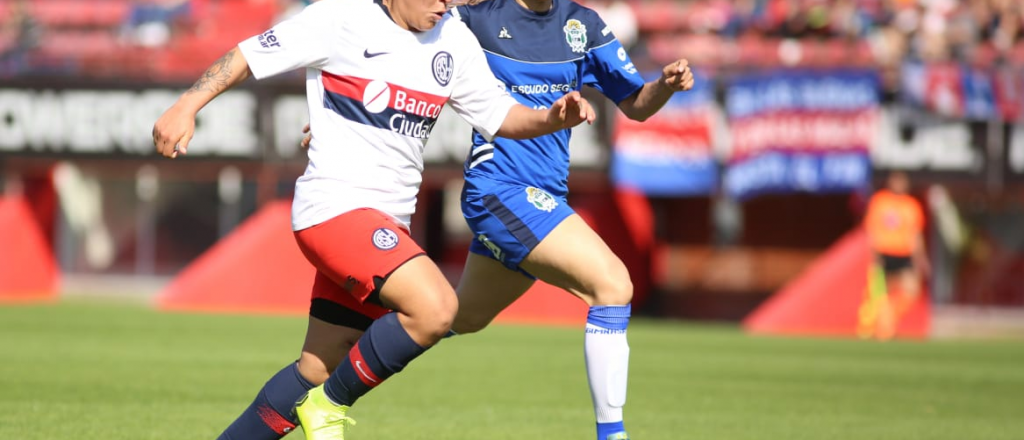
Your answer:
<point x="895" y="226"/>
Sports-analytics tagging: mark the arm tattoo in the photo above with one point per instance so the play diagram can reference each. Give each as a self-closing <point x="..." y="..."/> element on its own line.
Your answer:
<point x="215" y="79"/>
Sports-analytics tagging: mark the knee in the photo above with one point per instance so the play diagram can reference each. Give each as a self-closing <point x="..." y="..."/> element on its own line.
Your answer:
<point x="433" y="321"/>
<point x="442" y="317"/>
<point x="614" y="288"/>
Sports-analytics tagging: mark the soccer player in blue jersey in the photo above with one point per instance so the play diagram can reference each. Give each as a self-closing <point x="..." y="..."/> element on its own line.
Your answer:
<point x="514" y="197"/>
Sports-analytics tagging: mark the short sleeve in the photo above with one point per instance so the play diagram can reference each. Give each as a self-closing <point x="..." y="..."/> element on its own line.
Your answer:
<point x="298" y="42"/>
<point x="607" y="66"/>
<point x="477" y="96"/>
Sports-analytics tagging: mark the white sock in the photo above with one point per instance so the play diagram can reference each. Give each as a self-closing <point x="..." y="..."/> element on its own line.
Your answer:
<point x="607" y="355"/>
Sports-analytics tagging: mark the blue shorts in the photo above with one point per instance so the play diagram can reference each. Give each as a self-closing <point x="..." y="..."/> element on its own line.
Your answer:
<point x="508" y="220"/>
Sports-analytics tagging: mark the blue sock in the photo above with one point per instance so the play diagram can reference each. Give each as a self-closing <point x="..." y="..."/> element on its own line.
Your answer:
<point x="606" y="429"/>
<point x="269" y="417"/>
<point x="385" y="349"/>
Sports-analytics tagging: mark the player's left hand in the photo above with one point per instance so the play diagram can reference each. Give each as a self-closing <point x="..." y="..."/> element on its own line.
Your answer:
<point x="571" y="110"/>
<point x="677" y="76"/>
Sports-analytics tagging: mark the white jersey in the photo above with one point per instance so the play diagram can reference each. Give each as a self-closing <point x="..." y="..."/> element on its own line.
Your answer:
<point x="374" y="92"/>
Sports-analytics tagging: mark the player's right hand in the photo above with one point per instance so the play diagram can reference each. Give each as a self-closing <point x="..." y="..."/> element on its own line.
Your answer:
<point x="173" y="131"/>
<point x="677" y="76"/>
<point x="571" y="110"/>
<point x="307" y="139"/>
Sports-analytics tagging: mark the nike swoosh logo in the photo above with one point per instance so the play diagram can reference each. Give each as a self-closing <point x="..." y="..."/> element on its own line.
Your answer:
<point x="367" y="54"/>
<point x="359" y="366"/>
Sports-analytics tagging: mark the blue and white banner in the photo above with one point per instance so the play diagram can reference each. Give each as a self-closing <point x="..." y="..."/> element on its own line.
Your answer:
<point x="670" y="153"/>
<point x="801" y="131"/>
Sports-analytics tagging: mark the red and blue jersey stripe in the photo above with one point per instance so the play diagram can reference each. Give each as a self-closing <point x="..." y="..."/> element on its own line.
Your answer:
<point x="407" y="112"/>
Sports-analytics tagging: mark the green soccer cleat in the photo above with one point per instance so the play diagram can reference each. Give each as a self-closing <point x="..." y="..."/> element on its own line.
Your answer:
<point x="619" y="436"/>
<point x="320" y="418"/>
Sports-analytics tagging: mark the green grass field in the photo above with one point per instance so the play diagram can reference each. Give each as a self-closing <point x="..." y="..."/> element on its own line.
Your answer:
<point x="103" y="371"/>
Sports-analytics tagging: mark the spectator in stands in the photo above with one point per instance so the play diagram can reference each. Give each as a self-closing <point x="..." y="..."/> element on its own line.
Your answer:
<point x="150" y="22"/>
<point x="19" y="35"/>
<point x="895" y="226"/>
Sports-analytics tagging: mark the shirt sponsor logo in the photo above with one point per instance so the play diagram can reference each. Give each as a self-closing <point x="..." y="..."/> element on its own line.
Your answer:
<point x="575" y="35"/>
<point x="409" y="104"/>
<point x="376" y="96"/>
<point x="537" y="89"/>
<point x="380" y="104"/>
<point x="541" y="199"/>
<point x="400" y="124"/>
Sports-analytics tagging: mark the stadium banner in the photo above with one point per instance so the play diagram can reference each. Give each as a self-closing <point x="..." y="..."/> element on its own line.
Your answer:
<point x="961" y="91"/>
<point x="670" y="154"/>
<point x="108" y="120"/>
<point x="800" y="131"/>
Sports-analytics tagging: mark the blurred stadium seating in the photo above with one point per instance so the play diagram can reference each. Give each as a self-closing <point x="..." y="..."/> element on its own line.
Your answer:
<point x="103" y="39"/>
<point x="87" y="37"/>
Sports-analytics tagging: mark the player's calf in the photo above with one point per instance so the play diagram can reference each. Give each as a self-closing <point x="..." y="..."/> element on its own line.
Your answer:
<point x="607" y="351"/>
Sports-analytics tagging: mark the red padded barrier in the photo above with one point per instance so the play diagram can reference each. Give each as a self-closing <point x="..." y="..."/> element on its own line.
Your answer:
<point x="825" y="298"/>
<point x="28" y="270"/>
<point x="257" y="268"/>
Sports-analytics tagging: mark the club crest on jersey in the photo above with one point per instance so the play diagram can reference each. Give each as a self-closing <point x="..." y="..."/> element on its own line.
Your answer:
<point x="385" y="239"/>
<point x="576" y="35"/>
<point x="443" y="66"/>
<point x="541" y="199"/>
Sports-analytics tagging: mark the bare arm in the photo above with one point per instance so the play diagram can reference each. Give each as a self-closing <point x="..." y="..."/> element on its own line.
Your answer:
<point x="568" y="111"/>
<point x="645" y="103"/>
<point x="173" y="131"/>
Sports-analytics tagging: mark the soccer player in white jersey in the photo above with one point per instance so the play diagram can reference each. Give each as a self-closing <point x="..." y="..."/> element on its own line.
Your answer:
<point x="378" y="73"/>
<point x="515" y="193"/>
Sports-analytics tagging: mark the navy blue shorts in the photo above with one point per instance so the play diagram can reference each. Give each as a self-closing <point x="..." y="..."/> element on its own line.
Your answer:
<point x="508" y="220"/>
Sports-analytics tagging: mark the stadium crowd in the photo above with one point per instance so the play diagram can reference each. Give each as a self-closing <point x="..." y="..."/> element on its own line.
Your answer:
<point x="95" y="38"/>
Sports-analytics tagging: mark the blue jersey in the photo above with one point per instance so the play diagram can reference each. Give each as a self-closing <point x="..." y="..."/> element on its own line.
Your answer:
<point x="539" y="58"/>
